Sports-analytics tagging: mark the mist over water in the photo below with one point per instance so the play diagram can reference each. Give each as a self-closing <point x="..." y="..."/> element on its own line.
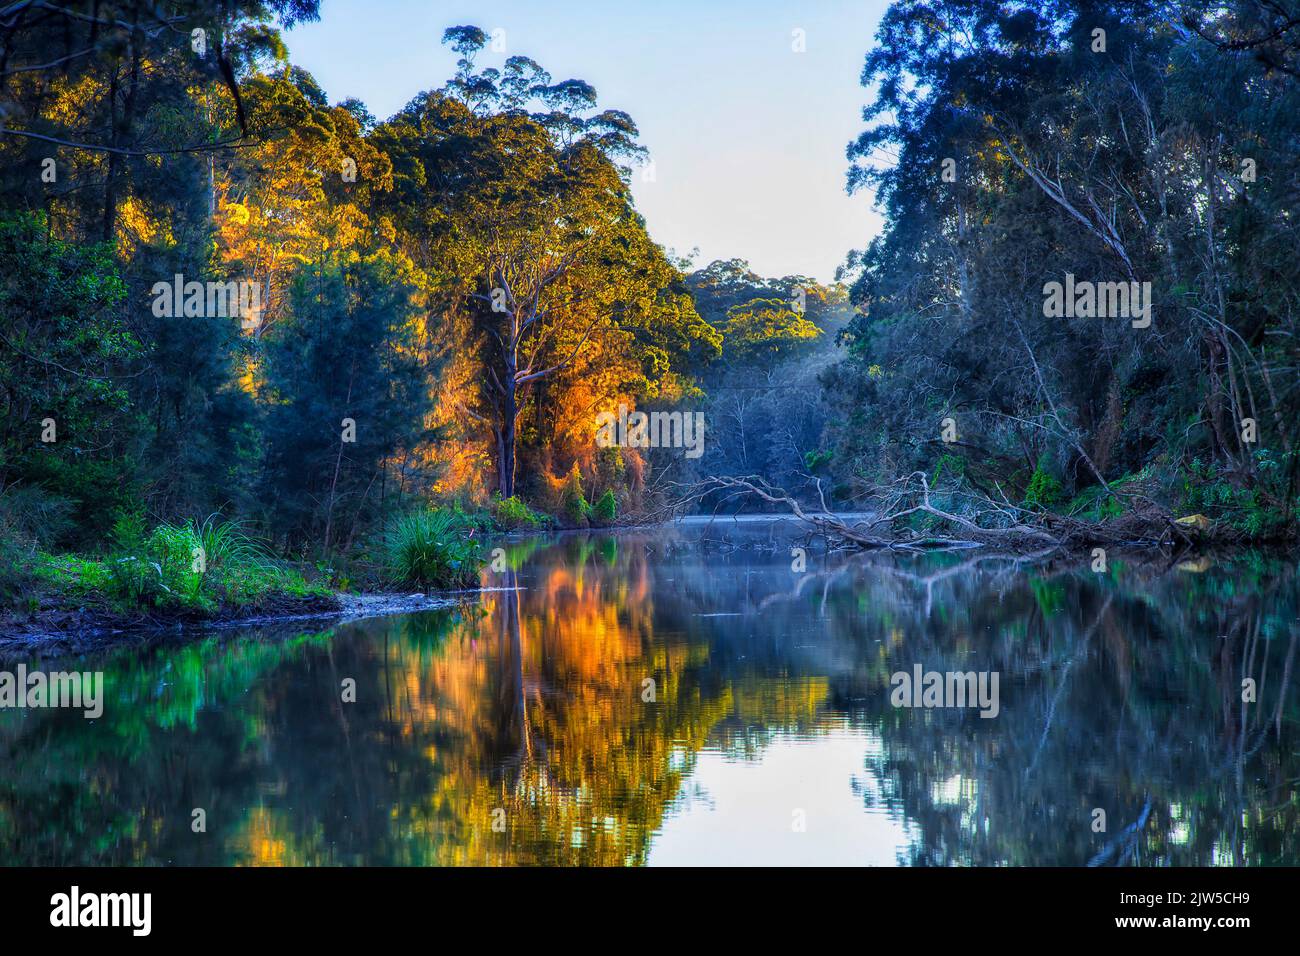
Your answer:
<point x="770" y="738"/>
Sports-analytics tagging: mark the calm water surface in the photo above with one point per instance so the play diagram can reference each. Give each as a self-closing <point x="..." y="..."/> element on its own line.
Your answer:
<point x="681" y="696"/>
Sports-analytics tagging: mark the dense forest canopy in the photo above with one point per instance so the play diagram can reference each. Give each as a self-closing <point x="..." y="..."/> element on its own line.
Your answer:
<point x="442" y="299"/>
<point x="1141" y="147"/>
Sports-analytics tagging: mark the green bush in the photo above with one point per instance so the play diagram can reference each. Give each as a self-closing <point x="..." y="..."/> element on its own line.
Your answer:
<point x="605" y="510"/>
<point x="572" y="500"/>
<point x="513" y="514"/>
<point x="176" y="553"/>
<point x="1251" y="511"/>
<point x="1043" y="491"/>
<point x="813" y="460"/>
<point x="228" y="547"/>
<point x="199" y="565"/>
<point x="131" y="581"/>
<point x="15" y="574"/>
<point x="433" y="548"/>
<point x="949" y="464"/>
<point x="157" y="568"/>
<point x="67" y="344"/>
<point x="478" y="519"/>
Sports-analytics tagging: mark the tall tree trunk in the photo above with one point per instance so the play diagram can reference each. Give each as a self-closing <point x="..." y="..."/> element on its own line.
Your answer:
<point x="508" y="430"/>
<point x="127" y="122"/>
<point x="338" y="461"/>
<point x="113" y="160"/>
<point x="509" y="413"/>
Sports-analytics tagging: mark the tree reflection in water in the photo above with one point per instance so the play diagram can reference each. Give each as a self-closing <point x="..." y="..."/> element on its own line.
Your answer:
<point x="525" y="708"/>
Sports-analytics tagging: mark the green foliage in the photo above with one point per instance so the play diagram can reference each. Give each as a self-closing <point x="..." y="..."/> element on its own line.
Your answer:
<point x="1043" y="490"/>
<point x="482" y="184"/>
<point x="30" y="520"/>
<point x="176" y="555"/>
<point x="573" y="502"/>
<point x="949" y="279"/>
<point x="950" y="465"/>
<point x="779" y="337"/>
<point x="513" y="514"/>
<point x="131" y="580"/>
<point x="1255" y="512"/>
<point x="1095" y="504"/>
<point x="347" y="354"/>
<point x="69" y="573"/>
<point x="15" y="569"/>
<point x="763" y="330"/>
<point x="196" y="566"/>
<point x="813" y="460"/>
<point x="605" y="510"/>
<point x="478" y="519"/>
<point x="228" y="545"/>
<point x="64" y="348"/>
<point x="433" y="548"/>
<point x="371" y="282"/>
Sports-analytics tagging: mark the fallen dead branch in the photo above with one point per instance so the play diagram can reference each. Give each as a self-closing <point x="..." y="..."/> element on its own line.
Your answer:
<point x="986" y="523"/>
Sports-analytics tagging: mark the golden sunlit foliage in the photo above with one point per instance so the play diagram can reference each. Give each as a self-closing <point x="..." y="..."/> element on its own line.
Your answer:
<point x="486" y="260"/>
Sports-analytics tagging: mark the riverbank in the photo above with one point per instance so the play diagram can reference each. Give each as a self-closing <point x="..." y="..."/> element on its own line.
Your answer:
<point x="61" y="625"/>
<point x="175" y="576"/>
<point x="71" y="603"/>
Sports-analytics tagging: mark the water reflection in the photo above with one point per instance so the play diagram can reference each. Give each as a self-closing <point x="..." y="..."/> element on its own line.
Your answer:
<point x="681" y="696"/>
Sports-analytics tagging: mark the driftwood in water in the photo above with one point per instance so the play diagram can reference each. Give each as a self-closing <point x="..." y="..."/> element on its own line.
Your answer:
<point x="1000" y="524"/>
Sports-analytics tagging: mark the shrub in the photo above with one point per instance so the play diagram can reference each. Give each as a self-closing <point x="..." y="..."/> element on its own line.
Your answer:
<point x="1251" y="511"/>
<point x="513" y="514"/>
<point x="15" y="574"/>
<point x="227" y="547"/>
<point x="813" y="460"/>
<point x="154" y="569"/>
<point x="1043" y="490"/>
<point x="572" y="501"/>
<point x="175" y="552"/>
<point x="130" y="579"/>
<point x="477" y="519"/>
<point x="949" y="464"/>
<point x="605" y="510"/>
<point x="239" y="568"/>
<point x="432" y="548"/>
<point x="196" y="564"/>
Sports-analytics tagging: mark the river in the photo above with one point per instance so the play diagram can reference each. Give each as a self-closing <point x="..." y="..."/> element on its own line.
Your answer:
<point x="696" y="694"/>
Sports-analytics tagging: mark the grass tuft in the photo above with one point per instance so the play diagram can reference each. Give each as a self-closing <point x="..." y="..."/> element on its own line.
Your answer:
<point x="433" y="548"/>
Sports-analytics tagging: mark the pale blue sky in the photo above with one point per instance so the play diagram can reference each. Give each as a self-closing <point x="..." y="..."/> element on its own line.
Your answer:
<point x="746" y="135"/>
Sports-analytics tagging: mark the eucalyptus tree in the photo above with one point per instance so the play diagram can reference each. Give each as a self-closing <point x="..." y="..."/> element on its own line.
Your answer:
<point x="1014" y="149"/>
<point x="555" y="295"/>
